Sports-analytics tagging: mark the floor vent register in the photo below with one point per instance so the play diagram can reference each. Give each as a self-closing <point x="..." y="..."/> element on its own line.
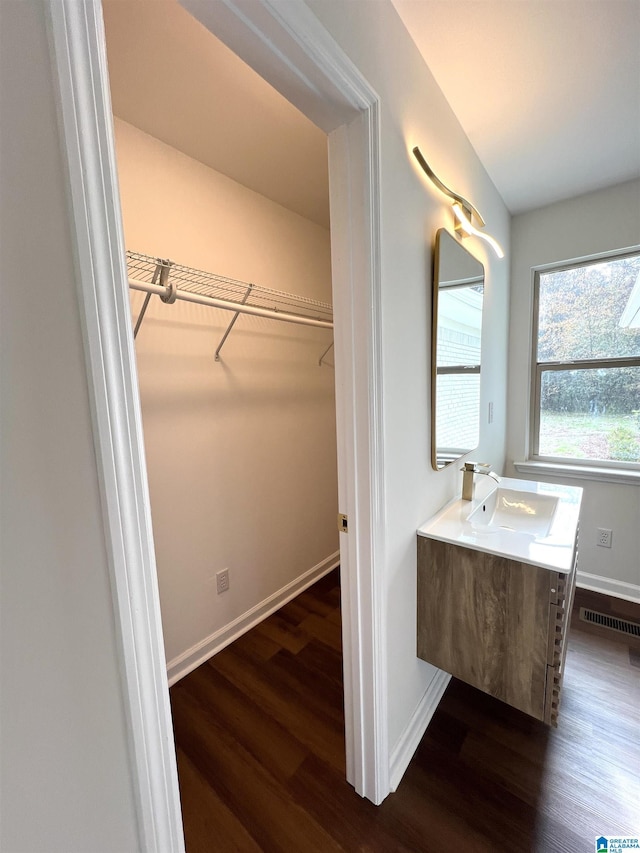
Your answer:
<point x="623" y="626"/>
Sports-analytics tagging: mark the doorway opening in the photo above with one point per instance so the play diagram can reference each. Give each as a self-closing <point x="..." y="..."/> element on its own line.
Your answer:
<point x="238" y="409"/>
<point x="291" y="50"/>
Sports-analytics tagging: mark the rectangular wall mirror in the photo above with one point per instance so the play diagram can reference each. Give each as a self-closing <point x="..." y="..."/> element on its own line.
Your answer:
<point x="458" y="292"/>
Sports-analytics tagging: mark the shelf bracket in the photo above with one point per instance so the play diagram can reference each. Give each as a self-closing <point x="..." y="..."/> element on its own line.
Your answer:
<point x="232" y="323"/>
<point x="161" y="271"/>
<point x="320" y="360"/>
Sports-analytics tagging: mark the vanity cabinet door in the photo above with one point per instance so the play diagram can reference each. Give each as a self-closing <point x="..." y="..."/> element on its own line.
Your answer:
<point x="487" y="620"/>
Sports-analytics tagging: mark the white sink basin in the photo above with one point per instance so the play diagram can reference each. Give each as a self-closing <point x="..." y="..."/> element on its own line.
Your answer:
<point x="517" y="511"/>
<point x="522" y="520"/>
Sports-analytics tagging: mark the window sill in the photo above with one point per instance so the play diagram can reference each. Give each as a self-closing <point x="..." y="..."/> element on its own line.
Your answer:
<point x="620" y="476"/>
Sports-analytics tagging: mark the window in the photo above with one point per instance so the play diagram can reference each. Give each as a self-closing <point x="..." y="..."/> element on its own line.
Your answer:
<point x="586" y="384"/>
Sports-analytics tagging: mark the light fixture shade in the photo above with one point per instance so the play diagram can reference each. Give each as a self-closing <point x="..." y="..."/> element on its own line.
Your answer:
<point x="468" y="228"/>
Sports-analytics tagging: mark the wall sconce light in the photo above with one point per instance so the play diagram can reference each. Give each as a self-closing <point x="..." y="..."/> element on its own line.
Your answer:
<point x="463" y="210"/>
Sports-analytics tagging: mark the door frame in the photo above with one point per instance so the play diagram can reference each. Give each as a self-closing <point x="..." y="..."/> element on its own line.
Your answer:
<point x="289" y="47"/>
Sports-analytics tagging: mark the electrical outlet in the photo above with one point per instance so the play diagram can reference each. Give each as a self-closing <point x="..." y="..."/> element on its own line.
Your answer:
<point x="222" y="580"/>
<point x="604" y="537"/>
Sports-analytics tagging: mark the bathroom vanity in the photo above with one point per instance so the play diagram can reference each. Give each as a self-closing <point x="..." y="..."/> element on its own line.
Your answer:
<point x="496" y="577"/>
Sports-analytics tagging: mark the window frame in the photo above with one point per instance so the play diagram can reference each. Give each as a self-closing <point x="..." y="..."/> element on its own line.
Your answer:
<point x="538" y="368"/>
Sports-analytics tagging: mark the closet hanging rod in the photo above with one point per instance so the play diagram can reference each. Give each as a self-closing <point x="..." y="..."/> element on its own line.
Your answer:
<point x="271" y="313"/>
<point x="204" y="288"/>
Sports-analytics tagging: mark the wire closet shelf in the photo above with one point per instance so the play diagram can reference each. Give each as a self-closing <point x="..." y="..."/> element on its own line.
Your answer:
<point x="172" y="281"/>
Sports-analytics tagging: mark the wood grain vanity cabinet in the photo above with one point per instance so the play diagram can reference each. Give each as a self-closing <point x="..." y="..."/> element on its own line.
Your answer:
<point x="499" y="624"/>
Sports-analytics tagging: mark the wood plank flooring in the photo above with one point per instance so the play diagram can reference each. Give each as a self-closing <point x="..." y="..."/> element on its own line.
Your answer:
<point x="260" y="739"/>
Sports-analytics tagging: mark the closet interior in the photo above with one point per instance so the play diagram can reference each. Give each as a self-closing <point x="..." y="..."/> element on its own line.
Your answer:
<point x="224" y="197"/>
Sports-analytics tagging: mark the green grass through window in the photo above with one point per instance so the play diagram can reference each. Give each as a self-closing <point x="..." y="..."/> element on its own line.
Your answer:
<point x="587" y="436"/>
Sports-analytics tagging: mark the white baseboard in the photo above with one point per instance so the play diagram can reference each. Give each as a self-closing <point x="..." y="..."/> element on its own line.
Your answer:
<point x="191" y="659"/>
<point x="608" y="586"/>
<point x="408" y="742"/>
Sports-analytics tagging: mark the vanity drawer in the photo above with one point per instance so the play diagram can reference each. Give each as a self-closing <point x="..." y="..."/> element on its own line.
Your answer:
<point x="485" y="619"/>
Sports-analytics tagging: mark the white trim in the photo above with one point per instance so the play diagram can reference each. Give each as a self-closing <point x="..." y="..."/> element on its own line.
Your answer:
<point x="356" y="280"/>
<point x="78" y="54"/>
<point x="410" y="739"/>
<point x="288" y="46"/>
<point x="620" y="476"/>
<point x="185" y="663"/>
<point x="609" y="586"/>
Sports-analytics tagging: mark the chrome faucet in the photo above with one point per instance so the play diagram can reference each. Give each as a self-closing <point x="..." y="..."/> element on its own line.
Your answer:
<point x="468" y="481"/>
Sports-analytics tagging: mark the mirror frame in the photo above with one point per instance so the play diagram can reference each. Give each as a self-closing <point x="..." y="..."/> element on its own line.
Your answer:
<point x="434" y="344"/>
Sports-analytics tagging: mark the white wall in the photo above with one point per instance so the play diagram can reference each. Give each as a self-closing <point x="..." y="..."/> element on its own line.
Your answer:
<point x="414" y="111"/>
<point x="241" y="453"/>
<point x="602" y="221"/>
<point x="65" y="783"/>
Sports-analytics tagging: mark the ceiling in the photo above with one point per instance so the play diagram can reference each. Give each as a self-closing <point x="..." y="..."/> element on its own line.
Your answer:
<point x="548" y="91"/>
<point x="174" y="80"/>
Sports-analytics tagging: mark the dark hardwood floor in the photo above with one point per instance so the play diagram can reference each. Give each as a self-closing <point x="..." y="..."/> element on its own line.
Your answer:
<point x="259" y="732"/>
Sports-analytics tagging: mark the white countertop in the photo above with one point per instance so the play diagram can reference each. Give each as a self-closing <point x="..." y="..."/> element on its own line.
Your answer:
<point x="554" y="551"/>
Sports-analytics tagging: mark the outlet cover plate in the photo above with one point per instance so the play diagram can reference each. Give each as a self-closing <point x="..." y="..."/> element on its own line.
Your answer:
<point x="603" y="537"/>
<point x="222" y="580"/>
